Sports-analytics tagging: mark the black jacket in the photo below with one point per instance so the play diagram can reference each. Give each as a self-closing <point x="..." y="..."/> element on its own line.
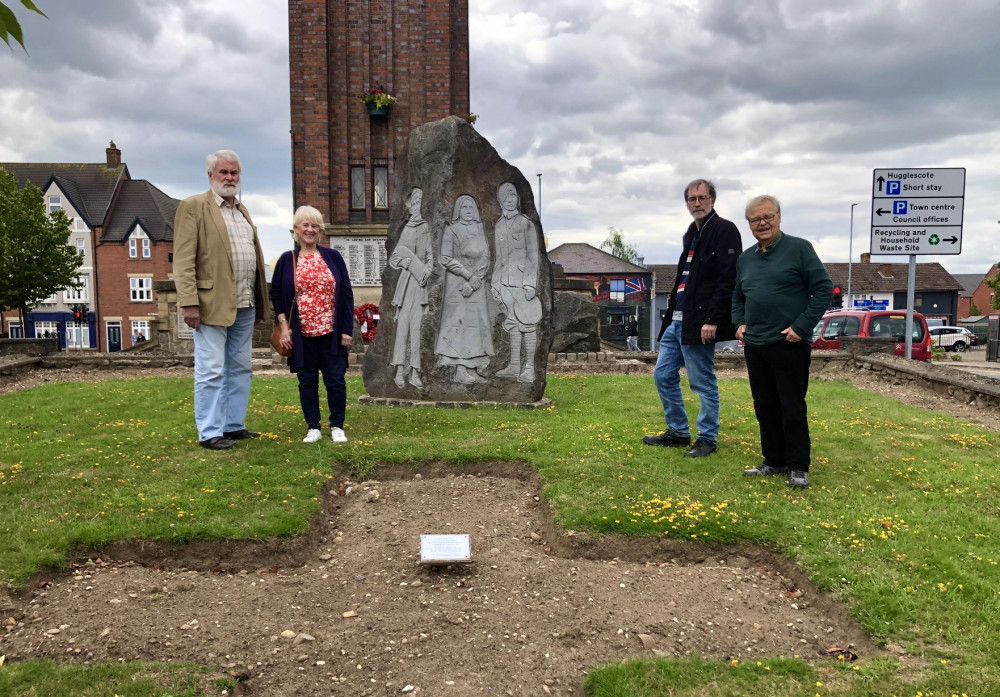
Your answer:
<point x="283" y="292"/>
<point x="708" y="295"/>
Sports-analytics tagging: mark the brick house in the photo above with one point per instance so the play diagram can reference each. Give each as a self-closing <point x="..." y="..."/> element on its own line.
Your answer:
<point x="619" y="289"/>
<point x="975" y="290"/>
<point x="343" y="158"/>
<point x="124" y="228"/>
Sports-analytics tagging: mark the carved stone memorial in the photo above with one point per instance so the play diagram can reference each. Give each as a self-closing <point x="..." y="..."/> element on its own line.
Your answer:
<point x="466" y="303"/>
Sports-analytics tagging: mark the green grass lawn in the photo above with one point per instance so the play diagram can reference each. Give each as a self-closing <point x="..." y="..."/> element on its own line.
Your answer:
<point x="901" y="522"/>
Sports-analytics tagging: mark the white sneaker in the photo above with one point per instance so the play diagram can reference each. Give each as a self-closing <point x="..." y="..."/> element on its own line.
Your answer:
<point x="314" y="436"/>
<point x="338" y="435"/>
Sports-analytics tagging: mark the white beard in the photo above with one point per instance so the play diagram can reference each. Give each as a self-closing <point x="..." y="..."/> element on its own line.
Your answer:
<point x="225" y="190"/>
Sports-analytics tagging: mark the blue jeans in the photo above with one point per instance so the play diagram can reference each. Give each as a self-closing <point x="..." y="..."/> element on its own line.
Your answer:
<point x="699" y="360"/>
<point x="318" y="357"/>
<point x="222" y="372"/>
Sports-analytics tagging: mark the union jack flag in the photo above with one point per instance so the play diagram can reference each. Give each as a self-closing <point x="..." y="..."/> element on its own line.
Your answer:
<point x="635" y="285"/>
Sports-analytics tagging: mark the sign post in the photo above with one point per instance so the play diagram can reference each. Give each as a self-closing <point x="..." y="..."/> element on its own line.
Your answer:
<point x="917" y="211"/>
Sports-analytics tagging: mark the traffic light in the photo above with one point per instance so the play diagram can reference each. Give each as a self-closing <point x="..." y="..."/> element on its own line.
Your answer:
<point x="838" y="300"/>
<point x="77" y="313"/>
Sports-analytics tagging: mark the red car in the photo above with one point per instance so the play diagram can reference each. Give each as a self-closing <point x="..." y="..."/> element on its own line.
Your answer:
<point x="876" y="323"/>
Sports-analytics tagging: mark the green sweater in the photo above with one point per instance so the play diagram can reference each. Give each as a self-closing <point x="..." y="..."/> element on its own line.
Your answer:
<point x="784" y="286"/>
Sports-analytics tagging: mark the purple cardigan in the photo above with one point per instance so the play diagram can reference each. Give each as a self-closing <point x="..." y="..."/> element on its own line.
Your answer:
<point x="283" y="292"/>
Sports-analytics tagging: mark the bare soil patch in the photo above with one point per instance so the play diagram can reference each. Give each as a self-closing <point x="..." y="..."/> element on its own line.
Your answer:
<point x="536" y="609"/>
<point x="347" y="609"/>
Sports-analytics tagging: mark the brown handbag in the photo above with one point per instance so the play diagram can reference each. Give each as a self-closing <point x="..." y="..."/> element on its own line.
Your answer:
<point x="276" y="332"/>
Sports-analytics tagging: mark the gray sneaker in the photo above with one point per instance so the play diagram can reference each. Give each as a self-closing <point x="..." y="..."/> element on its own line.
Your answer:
<point x="764" y="470"/>
<point x="668" y="438"/>
<point x="799" y="479"/>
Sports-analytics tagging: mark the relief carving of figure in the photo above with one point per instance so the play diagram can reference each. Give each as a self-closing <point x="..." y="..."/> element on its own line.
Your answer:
<point x="515" y="283"/>
<point x="413" y="257"/>
<point x="465" y="336"/>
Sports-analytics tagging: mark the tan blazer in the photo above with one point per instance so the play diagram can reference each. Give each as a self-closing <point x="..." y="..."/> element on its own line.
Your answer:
<point x="203" y="262"/>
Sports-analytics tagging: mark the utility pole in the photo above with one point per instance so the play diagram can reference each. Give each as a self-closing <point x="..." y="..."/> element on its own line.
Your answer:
<point x="850" y="259"/>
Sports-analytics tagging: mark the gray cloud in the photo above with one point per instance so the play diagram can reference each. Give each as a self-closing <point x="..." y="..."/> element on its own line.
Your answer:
<point x="619" y="104"/>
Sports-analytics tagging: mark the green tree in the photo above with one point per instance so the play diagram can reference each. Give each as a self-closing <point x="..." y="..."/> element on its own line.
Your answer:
<point x="617" y="246"/>
<point x="974" y="310"/>
<point x="35" y="257"/>
<point x="9" y="26"/>
<point x="994" y="283"/>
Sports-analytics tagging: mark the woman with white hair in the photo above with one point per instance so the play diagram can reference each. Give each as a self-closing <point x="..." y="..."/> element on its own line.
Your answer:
<point x="314" y="304"/>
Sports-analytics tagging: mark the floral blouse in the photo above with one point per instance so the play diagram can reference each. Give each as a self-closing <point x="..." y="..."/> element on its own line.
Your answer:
<point x="314" y="289"/>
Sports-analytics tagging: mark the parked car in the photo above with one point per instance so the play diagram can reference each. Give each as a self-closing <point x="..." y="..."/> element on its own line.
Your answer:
<point x="952" y="338"/>
<point x="874" y="323"/>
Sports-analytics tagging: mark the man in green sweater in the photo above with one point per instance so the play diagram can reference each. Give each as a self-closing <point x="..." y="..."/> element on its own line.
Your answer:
<point x="782" y="291"/>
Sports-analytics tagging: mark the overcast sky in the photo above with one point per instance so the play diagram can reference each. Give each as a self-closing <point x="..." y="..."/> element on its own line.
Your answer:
<point x="618" y="103"/>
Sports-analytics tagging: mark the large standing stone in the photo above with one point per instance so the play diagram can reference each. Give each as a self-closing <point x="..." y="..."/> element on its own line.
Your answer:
<point x="467" y="295"/>
<point x="575" y="323"/>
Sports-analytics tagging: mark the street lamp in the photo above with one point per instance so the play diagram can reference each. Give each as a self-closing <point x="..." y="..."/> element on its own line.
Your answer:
<point x="850" y="258"/>
<point x="539" y="175"/>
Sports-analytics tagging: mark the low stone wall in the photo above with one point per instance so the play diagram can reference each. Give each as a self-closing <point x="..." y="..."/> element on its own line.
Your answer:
<point x="975" y="390"/>
<point x="28" y="347"/>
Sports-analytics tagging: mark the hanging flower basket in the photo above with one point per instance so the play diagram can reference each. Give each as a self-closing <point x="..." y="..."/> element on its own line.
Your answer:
<point x="378" y="101"/>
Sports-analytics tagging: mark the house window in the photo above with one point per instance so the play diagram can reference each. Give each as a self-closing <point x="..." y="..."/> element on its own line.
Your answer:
<point x="71" y="295"/>
<point x="140" y="327"/>
<point x="55" y="204"/>
<point x="80" y="246"/>
<point x="51" y="300"/>
<point x="358" y="188"/>
<point x="381" y="177"/>
<point x="14" y="329"/>
<point x="617" y="290"/>
<point x="141" y="289"/>
<point x="138" y="241"/>
<point x="46" y="330"/>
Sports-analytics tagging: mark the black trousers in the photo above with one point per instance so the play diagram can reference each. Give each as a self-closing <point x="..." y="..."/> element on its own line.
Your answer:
<point x="779" y="380"/>
<point x="318" y="356"/>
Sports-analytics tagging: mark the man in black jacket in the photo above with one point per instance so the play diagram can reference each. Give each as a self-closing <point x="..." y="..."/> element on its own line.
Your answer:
<point x="698" y="315"/>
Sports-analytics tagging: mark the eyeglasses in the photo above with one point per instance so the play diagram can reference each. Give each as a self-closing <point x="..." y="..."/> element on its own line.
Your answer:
<point x="754" y="222"/>
<point x="697" y="199"/>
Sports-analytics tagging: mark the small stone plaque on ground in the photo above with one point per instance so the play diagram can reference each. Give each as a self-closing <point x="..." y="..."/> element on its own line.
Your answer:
<point x="445" y="549"/>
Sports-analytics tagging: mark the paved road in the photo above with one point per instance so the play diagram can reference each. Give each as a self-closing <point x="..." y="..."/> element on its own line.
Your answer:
<point x="973" y="361"/>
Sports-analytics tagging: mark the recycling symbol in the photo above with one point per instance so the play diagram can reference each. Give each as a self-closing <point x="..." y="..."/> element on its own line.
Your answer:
<point x="934" y="239"/>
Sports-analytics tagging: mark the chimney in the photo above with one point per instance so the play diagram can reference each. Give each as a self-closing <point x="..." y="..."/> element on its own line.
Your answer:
<point x="114" y="156"/>
<point x="866" y="257"/>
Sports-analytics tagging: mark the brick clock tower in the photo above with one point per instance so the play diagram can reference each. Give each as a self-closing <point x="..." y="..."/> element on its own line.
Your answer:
<point x="343" y="157"/>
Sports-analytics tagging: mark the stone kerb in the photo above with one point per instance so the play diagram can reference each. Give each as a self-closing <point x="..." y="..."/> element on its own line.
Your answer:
<point x="466" y="306"/>
<point x="978" y="391"/>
